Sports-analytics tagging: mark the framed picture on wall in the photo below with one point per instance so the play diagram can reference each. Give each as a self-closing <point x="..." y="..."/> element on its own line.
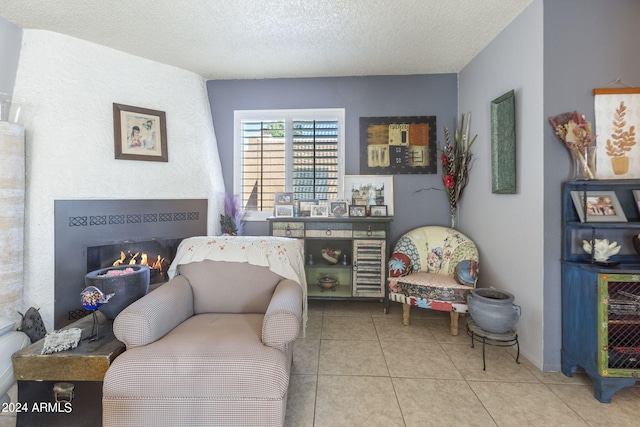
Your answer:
<point x="398" y="145"/>
<point x="139" y="134"/>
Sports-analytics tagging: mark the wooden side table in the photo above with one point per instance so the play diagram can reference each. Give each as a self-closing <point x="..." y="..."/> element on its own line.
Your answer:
<point x="85" y="366"/>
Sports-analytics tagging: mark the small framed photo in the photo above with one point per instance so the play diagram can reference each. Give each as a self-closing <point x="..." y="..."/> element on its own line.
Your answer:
<point x="139" y="134"/>
<point x="357" y="210"/>
<point x="283" y="198"/>
<point x="319" y="210"/>
<point x="305" y="206"/>
<point x="601" y="206"/>
<point x="284" y="210"/>
<point x="636" y="196"/>
<point x="338" y="209"/>
<point x="378" y="210"/>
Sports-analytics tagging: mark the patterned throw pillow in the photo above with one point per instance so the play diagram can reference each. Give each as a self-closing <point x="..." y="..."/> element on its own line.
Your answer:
<point x="399" y="265"/>
<point x="467" y="272"/>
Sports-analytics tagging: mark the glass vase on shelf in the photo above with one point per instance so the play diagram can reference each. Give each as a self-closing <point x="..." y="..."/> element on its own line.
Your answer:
<point x="583" y="163"/>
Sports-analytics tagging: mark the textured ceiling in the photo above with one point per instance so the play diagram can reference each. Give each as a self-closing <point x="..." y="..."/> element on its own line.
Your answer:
<point x="246" y="39"/>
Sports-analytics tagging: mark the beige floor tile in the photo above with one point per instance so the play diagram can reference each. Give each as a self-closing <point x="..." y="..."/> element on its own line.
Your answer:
<point x="306" y="354"/>
<point x="524" y="404"/>
<point x="356" y="401"/>
<point x="422" y="402"/>
<point x="353" y="328"/>
<point x="339" y="357"/>
<point x="393" y="330"/>
<point x="350" y="308"/>
<point x="301" y="401"/>
<point x="621" y="412"/>
<point x="501" y="366"/>
<point x="441" y="330"/>
<point x="411" y="359"/>
<point x="314" y="328"/>
<point x="315" y="307"/>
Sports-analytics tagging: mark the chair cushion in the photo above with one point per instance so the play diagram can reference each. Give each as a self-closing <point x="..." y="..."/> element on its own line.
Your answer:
<point x="208" y="356"/>
<point x="430" y="286"/>
<point x="230" y="287"/>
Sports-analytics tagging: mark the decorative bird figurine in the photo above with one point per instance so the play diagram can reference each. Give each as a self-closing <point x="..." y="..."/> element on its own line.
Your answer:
<point x="93" y="298"/>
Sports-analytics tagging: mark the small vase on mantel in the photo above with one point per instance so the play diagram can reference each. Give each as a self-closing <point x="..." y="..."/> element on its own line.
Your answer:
<point x="583" y="163"/>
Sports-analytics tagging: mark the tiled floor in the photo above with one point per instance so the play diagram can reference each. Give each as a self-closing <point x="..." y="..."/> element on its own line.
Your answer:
<point x="360" y="367"/>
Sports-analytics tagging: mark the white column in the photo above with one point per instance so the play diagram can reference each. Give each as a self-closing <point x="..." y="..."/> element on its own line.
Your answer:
<point x="12" y="192"/>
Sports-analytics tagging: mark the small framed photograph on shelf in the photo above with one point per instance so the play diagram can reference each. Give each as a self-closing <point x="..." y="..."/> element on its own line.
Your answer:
<point x="284" y="210"/>
<point x="319" y="210"/>
<point x="338" y="209"/>
<point x="599" y="206"/>
<point x="306" y="205"/>
<point x="378" y="210"/>
<point x="636" y="197"/>
<point x="357" y="210"/>
<point x="283" y="198"/>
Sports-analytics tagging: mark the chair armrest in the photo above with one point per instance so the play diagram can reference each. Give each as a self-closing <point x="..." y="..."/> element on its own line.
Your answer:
<point x="155" y="314"/>
<point x="282" y="320"/>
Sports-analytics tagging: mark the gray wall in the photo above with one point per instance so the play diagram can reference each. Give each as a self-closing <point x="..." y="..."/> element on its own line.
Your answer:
<point x="426" y="95"/>
<point x="598" y="44"/>
<point x="508" y="228"/>
<point x="10" y="43"/>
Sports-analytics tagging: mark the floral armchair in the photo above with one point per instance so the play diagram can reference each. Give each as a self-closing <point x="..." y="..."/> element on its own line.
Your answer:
<point x="435" y="268"/>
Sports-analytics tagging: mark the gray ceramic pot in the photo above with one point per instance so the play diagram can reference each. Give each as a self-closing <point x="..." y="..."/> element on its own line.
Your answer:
<point x="493" y="310"/>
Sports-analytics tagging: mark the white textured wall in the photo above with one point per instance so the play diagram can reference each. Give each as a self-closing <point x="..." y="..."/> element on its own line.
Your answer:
<point x="69" y="87"/>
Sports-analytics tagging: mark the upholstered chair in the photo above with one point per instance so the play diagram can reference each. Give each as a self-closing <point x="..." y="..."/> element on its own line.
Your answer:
<point x="433" y="267"/>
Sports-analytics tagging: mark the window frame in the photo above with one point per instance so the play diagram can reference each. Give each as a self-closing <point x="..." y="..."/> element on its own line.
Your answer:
<point x="288" y="115"/>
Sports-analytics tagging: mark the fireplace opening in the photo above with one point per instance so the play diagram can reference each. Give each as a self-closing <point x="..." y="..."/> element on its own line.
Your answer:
<point x="156" y="253"/>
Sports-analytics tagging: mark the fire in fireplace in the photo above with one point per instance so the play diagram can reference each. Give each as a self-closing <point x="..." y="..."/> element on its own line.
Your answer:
<point x="156" y="253"/>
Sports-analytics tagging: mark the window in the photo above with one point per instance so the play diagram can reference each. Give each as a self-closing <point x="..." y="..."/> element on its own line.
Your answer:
<point x="299" y="151"/>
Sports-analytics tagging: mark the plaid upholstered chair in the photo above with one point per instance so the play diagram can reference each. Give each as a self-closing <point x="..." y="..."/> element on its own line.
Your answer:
<point x="212" y="346"/>
<point x="433" y="267"/>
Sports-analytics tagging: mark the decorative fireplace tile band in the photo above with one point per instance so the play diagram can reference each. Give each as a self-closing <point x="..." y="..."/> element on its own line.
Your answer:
<point x="82" y="221"/>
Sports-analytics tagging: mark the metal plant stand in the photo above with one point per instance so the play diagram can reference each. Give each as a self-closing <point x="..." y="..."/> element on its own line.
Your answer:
<point x="506" y="339"/>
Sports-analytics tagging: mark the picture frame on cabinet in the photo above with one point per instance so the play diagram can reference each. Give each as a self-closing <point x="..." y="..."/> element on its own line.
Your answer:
<point x="139" y="134"/>
<point x="338" y="209"/>
<point x="599" y="206"/>
<point x="369" y="190"/>
<point x="357" y="210"/>
<point x="319" y="210"/>
<point x="378" y="210"/>
<point x="284" y="210"/>
<point x="306" y="205"/>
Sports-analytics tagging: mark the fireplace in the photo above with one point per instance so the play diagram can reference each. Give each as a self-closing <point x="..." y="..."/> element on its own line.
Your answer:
<point x="94" y="234"/>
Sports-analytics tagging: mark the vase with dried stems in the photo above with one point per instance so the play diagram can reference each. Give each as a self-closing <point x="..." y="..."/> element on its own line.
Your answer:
<point x="575" y="132"/>
<point x="456" y="160"/>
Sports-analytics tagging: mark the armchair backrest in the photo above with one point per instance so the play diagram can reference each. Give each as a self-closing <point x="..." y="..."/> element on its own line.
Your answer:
<point x="436" y="249"/>
<point x="229" y="287"/>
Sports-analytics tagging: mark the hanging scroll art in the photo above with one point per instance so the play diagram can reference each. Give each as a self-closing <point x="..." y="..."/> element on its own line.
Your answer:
<point x="397" y="145"/>
<point x="617" y="112"/>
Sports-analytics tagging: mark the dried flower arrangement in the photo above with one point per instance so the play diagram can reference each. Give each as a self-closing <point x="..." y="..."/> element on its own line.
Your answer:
<point x="456" y="164"/>
<point x="575" y="131"/>
<point x="232" y="221"/>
